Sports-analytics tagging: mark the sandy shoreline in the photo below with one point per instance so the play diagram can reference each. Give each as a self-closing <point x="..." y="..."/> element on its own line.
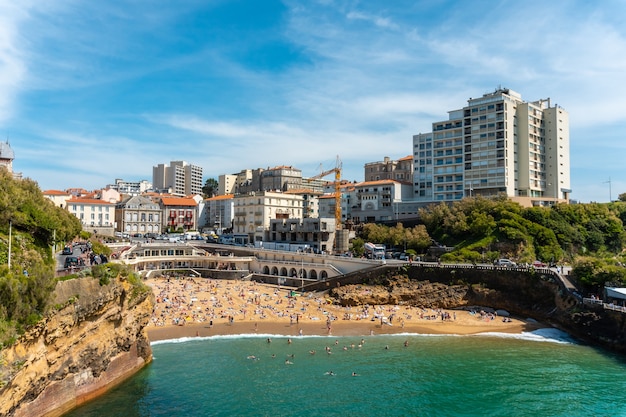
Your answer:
<point x="205" y="307"/>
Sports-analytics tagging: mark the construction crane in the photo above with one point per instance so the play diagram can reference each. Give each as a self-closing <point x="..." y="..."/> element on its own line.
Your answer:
<point x="337" y="171"/>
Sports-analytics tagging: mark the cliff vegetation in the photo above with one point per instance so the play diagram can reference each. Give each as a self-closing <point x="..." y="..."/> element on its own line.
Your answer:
<point x="35" y="225"/>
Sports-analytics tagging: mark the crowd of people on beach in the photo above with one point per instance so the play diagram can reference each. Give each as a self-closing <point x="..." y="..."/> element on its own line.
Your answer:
<point x="186" y="300"/>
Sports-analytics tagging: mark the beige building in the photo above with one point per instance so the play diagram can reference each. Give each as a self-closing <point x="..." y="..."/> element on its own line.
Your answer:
<point x="388" y="169"/>
<point x="254" y="211"/>
<point x="281" y="178"/>
<point x="310" y="201"/>
<point x="59" y="198"/>
<point x="497" y="144"/>
<point x="96" y="216"/>
<point x="138" y="214"/>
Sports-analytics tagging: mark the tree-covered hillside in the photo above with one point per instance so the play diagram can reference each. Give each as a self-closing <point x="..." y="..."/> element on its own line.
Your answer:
<point x="550" y="234"/>
<point x="35" y="224"/>
<point x="590" y="237"/>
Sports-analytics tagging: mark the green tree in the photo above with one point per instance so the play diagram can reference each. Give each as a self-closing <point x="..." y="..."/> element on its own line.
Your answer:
<point x="210" y="187"/>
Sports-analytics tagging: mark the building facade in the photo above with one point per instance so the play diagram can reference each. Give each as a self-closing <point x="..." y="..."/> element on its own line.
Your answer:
<point x="94" y="214"/>
<point x="218" y="213"/>
<point x="138" y="214"/>
<point x="179" y="214"/>
<point x="317" y="235"/>
<point x="130" y="187"/>
<point x="254" y="211"/>
<point x="377" y="201"/>
<point x="179" y="178"/>
<point x="388" y="169"/>
<point x="281" y="178"/>
<point x="59" y="198"/>
<point x="497" y="144"/>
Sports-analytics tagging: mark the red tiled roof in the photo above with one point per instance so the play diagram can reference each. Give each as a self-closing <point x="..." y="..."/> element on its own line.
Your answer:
<point x="220" y="197"/>
<point x="178" y="201"/>
<point x="55" y="192"/>
<point x="87" y="201"/>
<point x="377" y="182"/>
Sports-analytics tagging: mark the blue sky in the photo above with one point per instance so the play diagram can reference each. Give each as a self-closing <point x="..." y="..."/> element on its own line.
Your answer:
<point x="93" y="91"/>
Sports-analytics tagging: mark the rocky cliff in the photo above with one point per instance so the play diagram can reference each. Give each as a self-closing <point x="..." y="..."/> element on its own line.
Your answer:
<point x="524" y="294"/>
<point x="94" y="339"/>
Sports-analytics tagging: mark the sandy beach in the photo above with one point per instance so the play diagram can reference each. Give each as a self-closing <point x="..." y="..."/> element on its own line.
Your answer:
<point x="190" y="307"/>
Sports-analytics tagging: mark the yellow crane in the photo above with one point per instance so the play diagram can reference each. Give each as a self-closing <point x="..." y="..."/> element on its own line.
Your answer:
<point x="337" y="171"/>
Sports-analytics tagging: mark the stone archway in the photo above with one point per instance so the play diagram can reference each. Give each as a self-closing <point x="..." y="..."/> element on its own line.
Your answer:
<point x="266" y="270"/>
<point x="274" y="270"/>
<point x="324" y="275"/>
<point x="313" y="274"/>
<point x="283" y="272"/>
<point x="293" y="272"/>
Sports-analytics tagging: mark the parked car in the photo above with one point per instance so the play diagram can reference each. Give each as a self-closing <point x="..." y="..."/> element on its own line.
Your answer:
<point x="71" y="261"/>
<point x="539" y="264"/>
<point x="504" y="262"/>
<point x="67" y="250"/>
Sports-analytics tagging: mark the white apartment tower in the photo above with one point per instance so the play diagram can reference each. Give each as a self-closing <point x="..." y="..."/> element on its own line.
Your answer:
<point x="497" y="144"/>
<point x="179" y="178"/>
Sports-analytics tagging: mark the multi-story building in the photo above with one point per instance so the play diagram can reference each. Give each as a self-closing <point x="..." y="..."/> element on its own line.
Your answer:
<point x="95" y="215"/>
<point x="179" y="214"/>
<point x="497" y="144"/>
<point x="281" y="178"/>
<point x="218" y="213"/>
<point x="59" y="198"/>
<point x="318" y="235"/>
<point x="388" y="169"/>
<point x="179" y="178"/>
<point x="310" y="201"/>
<point x="377" y="201"/>
<point x="226" y="184"/>
<point x="130" y="187"/>
<point x="254" y="211"/>
<point x="138" y="214"/>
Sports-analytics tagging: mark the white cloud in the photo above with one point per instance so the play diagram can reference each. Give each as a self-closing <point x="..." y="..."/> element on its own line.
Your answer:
<point x="383" y="22"/>
<point x="12" y="68"/>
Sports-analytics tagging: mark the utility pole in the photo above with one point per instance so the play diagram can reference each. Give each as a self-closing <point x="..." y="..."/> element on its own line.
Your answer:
<point x="9" y="257"/>
<point x="609" y="182"/>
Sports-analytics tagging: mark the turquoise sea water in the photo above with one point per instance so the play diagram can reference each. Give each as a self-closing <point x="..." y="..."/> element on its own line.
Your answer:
<point x="534" y="374"/>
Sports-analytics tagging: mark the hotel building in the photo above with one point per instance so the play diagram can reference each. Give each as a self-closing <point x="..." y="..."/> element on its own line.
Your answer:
<point x="497" y="144"/>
